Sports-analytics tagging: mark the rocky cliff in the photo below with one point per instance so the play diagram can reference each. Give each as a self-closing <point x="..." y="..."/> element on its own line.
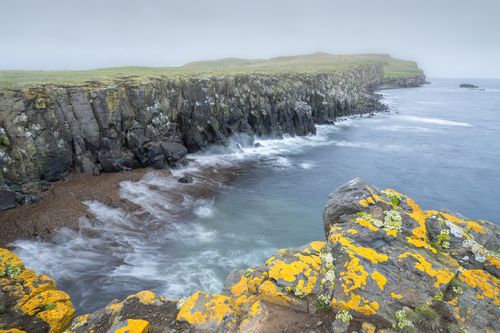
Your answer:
<point x="386" y="265"/>
<point x="48" y="131"/>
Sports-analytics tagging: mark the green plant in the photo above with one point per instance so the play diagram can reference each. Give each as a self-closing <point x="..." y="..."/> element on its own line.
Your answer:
<point x="368" y="217"/>
<point x="344" y="316"/>
<point x="403" y="320"/>
<point x="3" y="308"/>
<point x="50" y="306"/>
<point x="13" y="271"/>
<point x="393" y="196"/>
<point x="181" y="302"/>
<point x="443" y="239"/>
<point x="425" y="316"/>
<point x="322" y="303"/>
<point x="439" y="297"/>
<point x="392" y="220"/>
<point x="456" y="328"/>
<point x="457" y="287"/>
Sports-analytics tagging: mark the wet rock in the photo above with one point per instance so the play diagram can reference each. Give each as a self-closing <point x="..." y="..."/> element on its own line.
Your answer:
<point x="185" y="179"/>
<point x="173" y="151"/>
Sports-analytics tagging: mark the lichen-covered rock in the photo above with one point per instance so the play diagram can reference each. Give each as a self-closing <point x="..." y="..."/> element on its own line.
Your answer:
<point x="389" y="254"/>
<point x="29" y="301"/>
<point x="141" y="312"/>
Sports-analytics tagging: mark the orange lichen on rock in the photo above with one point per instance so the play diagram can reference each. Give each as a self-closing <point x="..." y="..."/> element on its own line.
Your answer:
<point x="442" y="277"/>
<point x="419" y="237"/>
<point x="133" y="326"/>
<point x="204" y="310"/>
<point x="369" y="254"/>
<point x="354" y="277"/>
<point x="366" y="202"/>
<point x="145" y="297"/>
<point x="396" y="296"/>
<point x="365" y="223"/>
<point x="474" y="226"/>
<point x="356" y="303"/>
<point x="484" y="282"/>
<point x="380" y="279"/>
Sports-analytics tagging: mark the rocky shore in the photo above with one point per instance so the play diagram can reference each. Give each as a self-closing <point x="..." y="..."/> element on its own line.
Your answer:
<point x="385" y="266"/>
<point x="50" y="131"/>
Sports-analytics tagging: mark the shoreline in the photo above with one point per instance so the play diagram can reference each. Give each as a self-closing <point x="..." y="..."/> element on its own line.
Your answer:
<point x="61" y="205"/>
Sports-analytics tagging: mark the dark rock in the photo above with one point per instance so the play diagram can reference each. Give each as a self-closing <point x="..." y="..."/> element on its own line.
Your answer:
<point x="185" y="179"/>
<point x="7" y="199"/>
<point x="468" y="85"/>
<point x="173" y="151"/>
<point x="257" y="145"/>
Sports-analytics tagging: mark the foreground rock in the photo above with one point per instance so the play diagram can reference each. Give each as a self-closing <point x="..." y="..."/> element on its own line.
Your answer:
<point x="30" y="302"/>
<point x="387" y="266"/>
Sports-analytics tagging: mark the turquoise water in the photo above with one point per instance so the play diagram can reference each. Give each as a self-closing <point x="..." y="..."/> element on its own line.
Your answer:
<point x="439" y="144"/>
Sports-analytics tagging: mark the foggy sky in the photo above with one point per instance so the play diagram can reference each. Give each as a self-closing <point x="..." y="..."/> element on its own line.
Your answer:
<point x="448" y="38"/>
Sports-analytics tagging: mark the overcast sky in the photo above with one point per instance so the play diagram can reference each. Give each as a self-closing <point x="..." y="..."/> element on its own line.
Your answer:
<point x="448" y="38"/>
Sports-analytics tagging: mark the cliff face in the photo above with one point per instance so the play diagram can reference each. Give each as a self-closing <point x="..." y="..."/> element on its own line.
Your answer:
<point x="49" y="131"/>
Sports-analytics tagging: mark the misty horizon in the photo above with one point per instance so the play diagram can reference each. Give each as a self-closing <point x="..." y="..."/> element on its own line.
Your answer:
<point x="446" y="39"/>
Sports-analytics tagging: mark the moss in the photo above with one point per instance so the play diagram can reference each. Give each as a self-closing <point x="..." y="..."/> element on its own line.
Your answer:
<point x="50" y="306"/>
<point x="443" y="239"/>
<point x="457" y="287"/>
<point x="392" y="220"/>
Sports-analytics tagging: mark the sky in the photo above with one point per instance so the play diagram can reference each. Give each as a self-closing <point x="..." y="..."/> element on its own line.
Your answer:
<point x="448" y="38"/>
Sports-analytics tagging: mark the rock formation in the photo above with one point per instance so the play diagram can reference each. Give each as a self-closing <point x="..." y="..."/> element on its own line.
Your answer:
<point x="386" y="266"/>
<point x="48" y="131"/>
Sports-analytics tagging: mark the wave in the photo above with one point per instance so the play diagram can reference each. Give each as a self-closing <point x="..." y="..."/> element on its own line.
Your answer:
<point x="436" y="121"/>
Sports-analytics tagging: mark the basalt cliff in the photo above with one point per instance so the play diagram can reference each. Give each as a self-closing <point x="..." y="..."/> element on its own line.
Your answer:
<point x="385" y="265"/>
<point x="50" y="130"/>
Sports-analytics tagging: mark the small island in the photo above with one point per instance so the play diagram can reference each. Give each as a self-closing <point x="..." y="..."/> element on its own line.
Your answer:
<point x="468" y="85"/>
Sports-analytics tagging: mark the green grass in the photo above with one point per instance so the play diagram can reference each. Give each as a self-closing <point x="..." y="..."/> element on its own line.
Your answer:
<point x="317" y="62"/>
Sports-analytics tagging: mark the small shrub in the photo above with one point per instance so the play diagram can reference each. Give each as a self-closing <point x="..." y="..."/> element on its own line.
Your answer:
<point x="425" y="316"/>
<point x="344" y="316"/>
<point x="322" y="303"/>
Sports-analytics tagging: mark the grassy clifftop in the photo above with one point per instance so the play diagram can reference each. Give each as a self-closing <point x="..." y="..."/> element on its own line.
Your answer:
<point x="317" y="62"/>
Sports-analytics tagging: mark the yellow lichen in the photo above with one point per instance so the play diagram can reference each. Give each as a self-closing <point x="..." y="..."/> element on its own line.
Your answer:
<point x="354" y="276"/>
<point x="368" y="328"/>
<point x="451" y="218"/>
<point x="356" y="303"/>
<point x="380" y="279"/>
<point x="352" y="231"/>
<point x="317" y="246"/>
<point x="484" y="282"/>
<point x="366" y="224"/>
<point x="366" y="202"/>
<point x="145" y="297"/>
<point x="268" y="292"/>
<point x="474" y="226"/>
<point x="396" y="296"/>
<point x="114" y="308"/>
<point x="392" y="232"/>
<point x="202" y="308"/>
<point x="442" y="277"/>
<point x="370" y="254"/>
<point x="419" y="234"/>
<point x="134" y="326"/>
<point x="12" y="330"/>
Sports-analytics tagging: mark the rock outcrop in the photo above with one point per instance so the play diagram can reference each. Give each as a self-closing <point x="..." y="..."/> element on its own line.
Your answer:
<point x="386" y="266"/>
<point x="30" y="302"/>
<point x="49" y="131"/>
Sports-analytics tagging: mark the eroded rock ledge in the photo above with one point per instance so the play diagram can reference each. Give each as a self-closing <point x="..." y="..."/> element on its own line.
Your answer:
<point x="386" y="266"/>
<point x="49" y="131"/>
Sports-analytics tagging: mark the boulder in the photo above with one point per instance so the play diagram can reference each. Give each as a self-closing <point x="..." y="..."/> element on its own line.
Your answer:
<point x="30" y="302"/>
<point x="468" y="85"/>
<point x="7" y="199"/>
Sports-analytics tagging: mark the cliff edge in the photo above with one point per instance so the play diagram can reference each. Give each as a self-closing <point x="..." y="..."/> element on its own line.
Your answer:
<point x="109" y="120"/>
